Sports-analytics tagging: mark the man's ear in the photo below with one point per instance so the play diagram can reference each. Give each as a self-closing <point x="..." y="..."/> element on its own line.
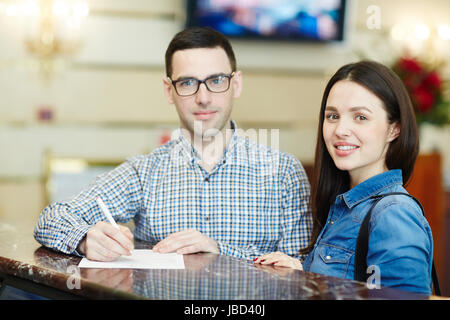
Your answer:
<point x="168" y="90"/>
<point x="237" y="84"/>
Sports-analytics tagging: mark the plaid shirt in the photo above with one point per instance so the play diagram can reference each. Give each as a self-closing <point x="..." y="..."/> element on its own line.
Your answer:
<point x="253" y="202"/>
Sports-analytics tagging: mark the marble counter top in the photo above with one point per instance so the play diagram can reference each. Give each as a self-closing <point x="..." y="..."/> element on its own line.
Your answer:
<point x="206" y="276"/>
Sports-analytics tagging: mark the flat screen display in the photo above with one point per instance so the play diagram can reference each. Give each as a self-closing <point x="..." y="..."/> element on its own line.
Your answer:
<point x="301" y="20"/>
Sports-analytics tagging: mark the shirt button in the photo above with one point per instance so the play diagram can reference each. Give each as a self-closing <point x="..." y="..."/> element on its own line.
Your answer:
<point x="206" y="179"/>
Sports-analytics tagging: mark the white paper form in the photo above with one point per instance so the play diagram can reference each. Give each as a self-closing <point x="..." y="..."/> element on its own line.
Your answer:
<point x="139" y="259"/>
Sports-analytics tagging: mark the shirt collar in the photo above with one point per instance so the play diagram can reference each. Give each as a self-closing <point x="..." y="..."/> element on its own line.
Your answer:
<point x="372" y="186"/>
<point x="192" y="155"/>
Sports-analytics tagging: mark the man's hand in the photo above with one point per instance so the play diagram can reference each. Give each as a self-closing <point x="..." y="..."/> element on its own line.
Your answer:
<point x="103" y="242"/>
<point x="185" y="242"/>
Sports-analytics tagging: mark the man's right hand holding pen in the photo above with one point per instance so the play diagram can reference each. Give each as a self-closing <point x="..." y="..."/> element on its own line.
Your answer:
<point x="104" y="242"/>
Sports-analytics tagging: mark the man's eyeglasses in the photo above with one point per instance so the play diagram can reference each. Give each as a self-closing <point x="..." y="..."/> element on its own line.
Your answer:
<point x="189" y="86"/>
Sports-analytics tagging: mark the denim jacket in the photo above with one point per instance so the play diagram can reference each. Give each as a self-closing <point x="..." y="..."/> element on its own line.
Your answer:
<point x="400" y="240"/>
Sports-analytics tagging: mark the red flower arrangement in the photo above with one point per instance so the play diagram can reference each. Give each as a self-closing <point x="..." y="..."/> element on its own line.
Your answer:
<point x="425" y="87"/>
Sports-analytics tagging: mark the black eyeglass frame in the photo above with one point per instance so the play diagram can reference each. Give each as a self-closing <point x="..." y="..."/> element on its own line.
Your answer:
<point x="199" y="82"/>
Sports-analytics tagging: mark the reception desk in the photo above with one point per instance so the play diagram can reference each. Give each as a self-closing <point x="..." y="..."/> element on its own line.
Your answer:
<point x="26" y="265"/>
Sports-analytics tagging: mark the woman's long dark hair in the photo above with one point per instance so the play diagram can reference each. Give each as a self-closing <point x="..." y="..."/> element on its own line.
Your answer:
<point x="328" y="181"/>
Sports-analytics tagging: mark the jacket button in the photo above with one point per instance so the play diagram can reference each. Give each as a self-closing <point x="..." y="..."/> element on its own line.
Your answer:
<point x="328" y="257"/>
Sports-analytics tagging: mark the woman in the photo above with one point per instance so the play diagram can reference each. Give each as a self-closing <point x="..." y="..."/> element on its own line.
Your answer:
<point x="367" y="145"/>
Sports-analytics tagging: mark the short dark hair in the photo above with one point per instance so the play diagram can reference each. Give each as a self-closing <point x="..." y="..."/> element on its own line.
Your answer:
<point x="328" y="181"/>
<point x="198" y="37"/>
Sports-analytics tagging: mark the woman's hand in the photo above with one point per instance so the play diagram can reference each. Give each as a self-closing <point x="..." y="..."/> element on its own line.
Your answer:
<point x="279" y="259"/>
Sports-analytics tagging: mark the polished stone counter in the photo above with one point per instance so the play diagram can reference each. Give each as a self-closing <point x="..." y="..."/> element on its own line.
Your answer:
<point x="27" y="265"/>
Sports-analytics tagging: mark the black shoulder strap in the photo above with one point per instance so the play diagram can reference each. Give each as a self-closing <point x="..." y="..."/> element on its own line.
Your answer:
<point x="362" y="244"/>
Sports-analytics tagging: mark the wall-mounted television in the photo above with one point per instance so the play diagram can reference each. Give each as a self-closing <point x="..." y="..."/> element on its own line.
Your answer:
<point x="299" y="20"/>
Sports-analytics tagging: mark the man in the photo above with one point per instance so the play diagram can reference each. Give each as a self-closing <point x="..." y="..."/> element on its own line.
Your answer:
<point x="207" y="190"/>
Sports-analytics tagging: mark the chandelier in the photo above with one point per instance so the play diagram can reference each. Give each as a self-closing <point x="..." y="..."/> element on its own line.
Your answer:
<point x="51" y="27"/>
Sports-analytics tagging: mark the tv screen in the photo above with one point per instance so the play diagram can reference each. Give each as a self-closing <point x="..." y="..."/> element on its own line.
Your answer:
<point x="303" y="20"/>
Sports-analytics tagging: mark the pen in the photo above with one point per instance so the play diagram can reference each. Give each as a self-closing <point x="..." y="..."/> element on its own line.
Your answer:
<point x="106" y="212"/>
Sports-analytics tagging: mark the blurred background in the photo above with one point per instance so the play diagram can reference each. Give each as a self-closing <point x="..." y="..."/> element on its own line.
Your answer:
<point x="81" y="84"/>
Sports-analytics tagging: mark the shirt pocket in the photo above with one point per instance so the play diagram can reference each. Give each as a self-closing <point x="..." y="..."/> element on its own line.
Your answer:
<point x="335" y="260"/>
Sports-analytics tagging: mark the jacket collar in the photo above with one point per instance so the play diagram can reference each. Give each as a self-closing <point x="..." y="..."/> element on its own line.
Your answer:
<point x="372" y="186"/>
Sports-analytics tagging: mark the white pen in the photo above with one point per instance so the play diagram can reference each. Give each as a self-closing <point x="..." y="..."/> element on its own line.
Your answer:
<point x="106" y="212"/>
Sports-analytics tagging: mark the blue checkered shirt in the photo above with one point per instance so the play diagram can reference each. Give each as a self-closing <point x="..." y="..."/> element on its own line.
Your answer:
<point x="253" y="202"/>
